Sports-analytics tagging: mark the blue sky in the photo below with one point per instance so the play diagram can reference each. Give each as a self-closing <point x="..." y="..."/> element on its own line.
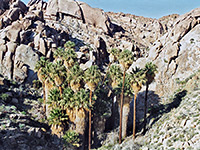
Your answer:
<point x="146" y="8"/>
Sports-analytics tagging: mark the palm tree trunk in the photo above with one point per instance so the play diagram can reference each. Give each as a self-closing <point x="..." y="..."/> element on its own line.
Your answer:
<point x="81" y="125"/>
<point x="106" y="73"/>
<point x="90" y="122"/>
<point x="145" y="108"/>
<point x="126" y="109"/>
<point x="121" y="110"/>
<point x="44" y="97"/>
<point x="134" y="115"/>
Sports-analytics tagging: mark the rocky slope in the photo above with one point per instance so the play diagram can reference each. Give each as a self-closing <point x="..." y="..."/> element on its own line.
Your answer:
<point x="22" y="123"/>
<point x="173" y="124"/>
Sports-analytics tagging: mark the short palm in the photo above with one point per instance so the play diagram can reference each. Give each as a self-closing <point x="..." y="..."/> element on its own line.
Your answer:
<point x="67" y="101"/>
<point x="57" y="117"/>
<point x="75" y="77"/>
<point x="54" y="97"/>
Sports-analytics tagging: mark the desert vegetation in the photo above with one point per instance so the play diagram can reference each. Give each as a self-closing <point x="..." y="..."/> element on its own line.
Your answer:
<point x="70" y="93"/>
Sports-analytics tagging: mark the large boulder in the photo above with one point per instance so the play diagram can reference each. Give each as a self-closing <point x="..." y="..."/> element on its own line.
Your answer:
<point x="13" y="31"/>
<point x="24" y="63"/>
<point x="96" y="17"/>
<point x="80" y="10"/>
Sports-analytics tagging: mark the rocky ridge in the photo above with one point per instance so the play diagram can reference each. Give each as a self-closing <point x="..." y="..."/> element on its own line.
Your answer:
<point x="41" y="30"/>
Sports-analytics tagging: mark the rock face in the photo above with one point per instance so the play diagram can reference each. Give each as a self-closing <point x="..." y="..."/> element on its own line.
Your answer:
<point x="92" y="16"/>
<point x="25" y="37"/>
<point x="177" y="52"/>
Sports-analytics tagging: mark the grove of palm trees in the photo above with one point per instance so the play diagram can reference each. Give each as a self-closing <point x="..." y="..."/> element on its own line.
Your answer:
<point x="72" y="96"/>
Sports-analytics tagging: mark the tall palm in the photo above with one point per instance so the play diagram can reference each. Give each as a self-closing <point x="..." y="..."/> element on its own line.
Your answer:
<point x="137" y="78"/>
<point x="125" y="59"/>
<point x="115" y="76"/>
<point x="42" y="76"/>
<point x="92" y="77"/>
<point x="75" y="77"/>
<point x="127" y="99"/>
<point x="150" y="71"/>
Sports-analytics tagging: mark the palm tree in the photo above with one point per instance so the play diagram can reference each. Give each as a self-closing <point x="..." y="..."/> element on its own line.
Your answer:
<point x="57" y="120"/>
<point x="58" y="73"/>
<point x="125" y="59"/>
<point x="115" y="74"/>
<point x="69" y="45"/>
<point x="75" y="77"/>
<point x="127" y="99"/>
<point x="137" y="78"/>
<point x="92" y="77"/>
<point x="69" y="57"/>
<point x="54" y="98"/>
<point x="150" y="71"/>
<point x="114" y="54"/>
<point x="40" y="67"/>
<point x="68" y="103"/>
<point x="59" y="53"/>
<point x="81" y="106"/>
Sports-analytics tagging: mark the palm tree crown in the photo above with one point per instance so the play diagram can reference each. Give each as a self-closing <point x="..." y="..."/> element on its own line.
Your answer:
<point x="58" y="72"/>
<point x="115" y="74"/>
<point x="41" y="63"/>
<point x="92" y="77"/>
<point x="137" y="78"/>
<point x="114" y="54"/>
<point x="81" y="99"/>
<point x="75" y="77"/>
<point x="150" y="70"/>
<point x="126" y="58"/>
<point x="69" y="45"/>
<point x="70" y="58"/>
